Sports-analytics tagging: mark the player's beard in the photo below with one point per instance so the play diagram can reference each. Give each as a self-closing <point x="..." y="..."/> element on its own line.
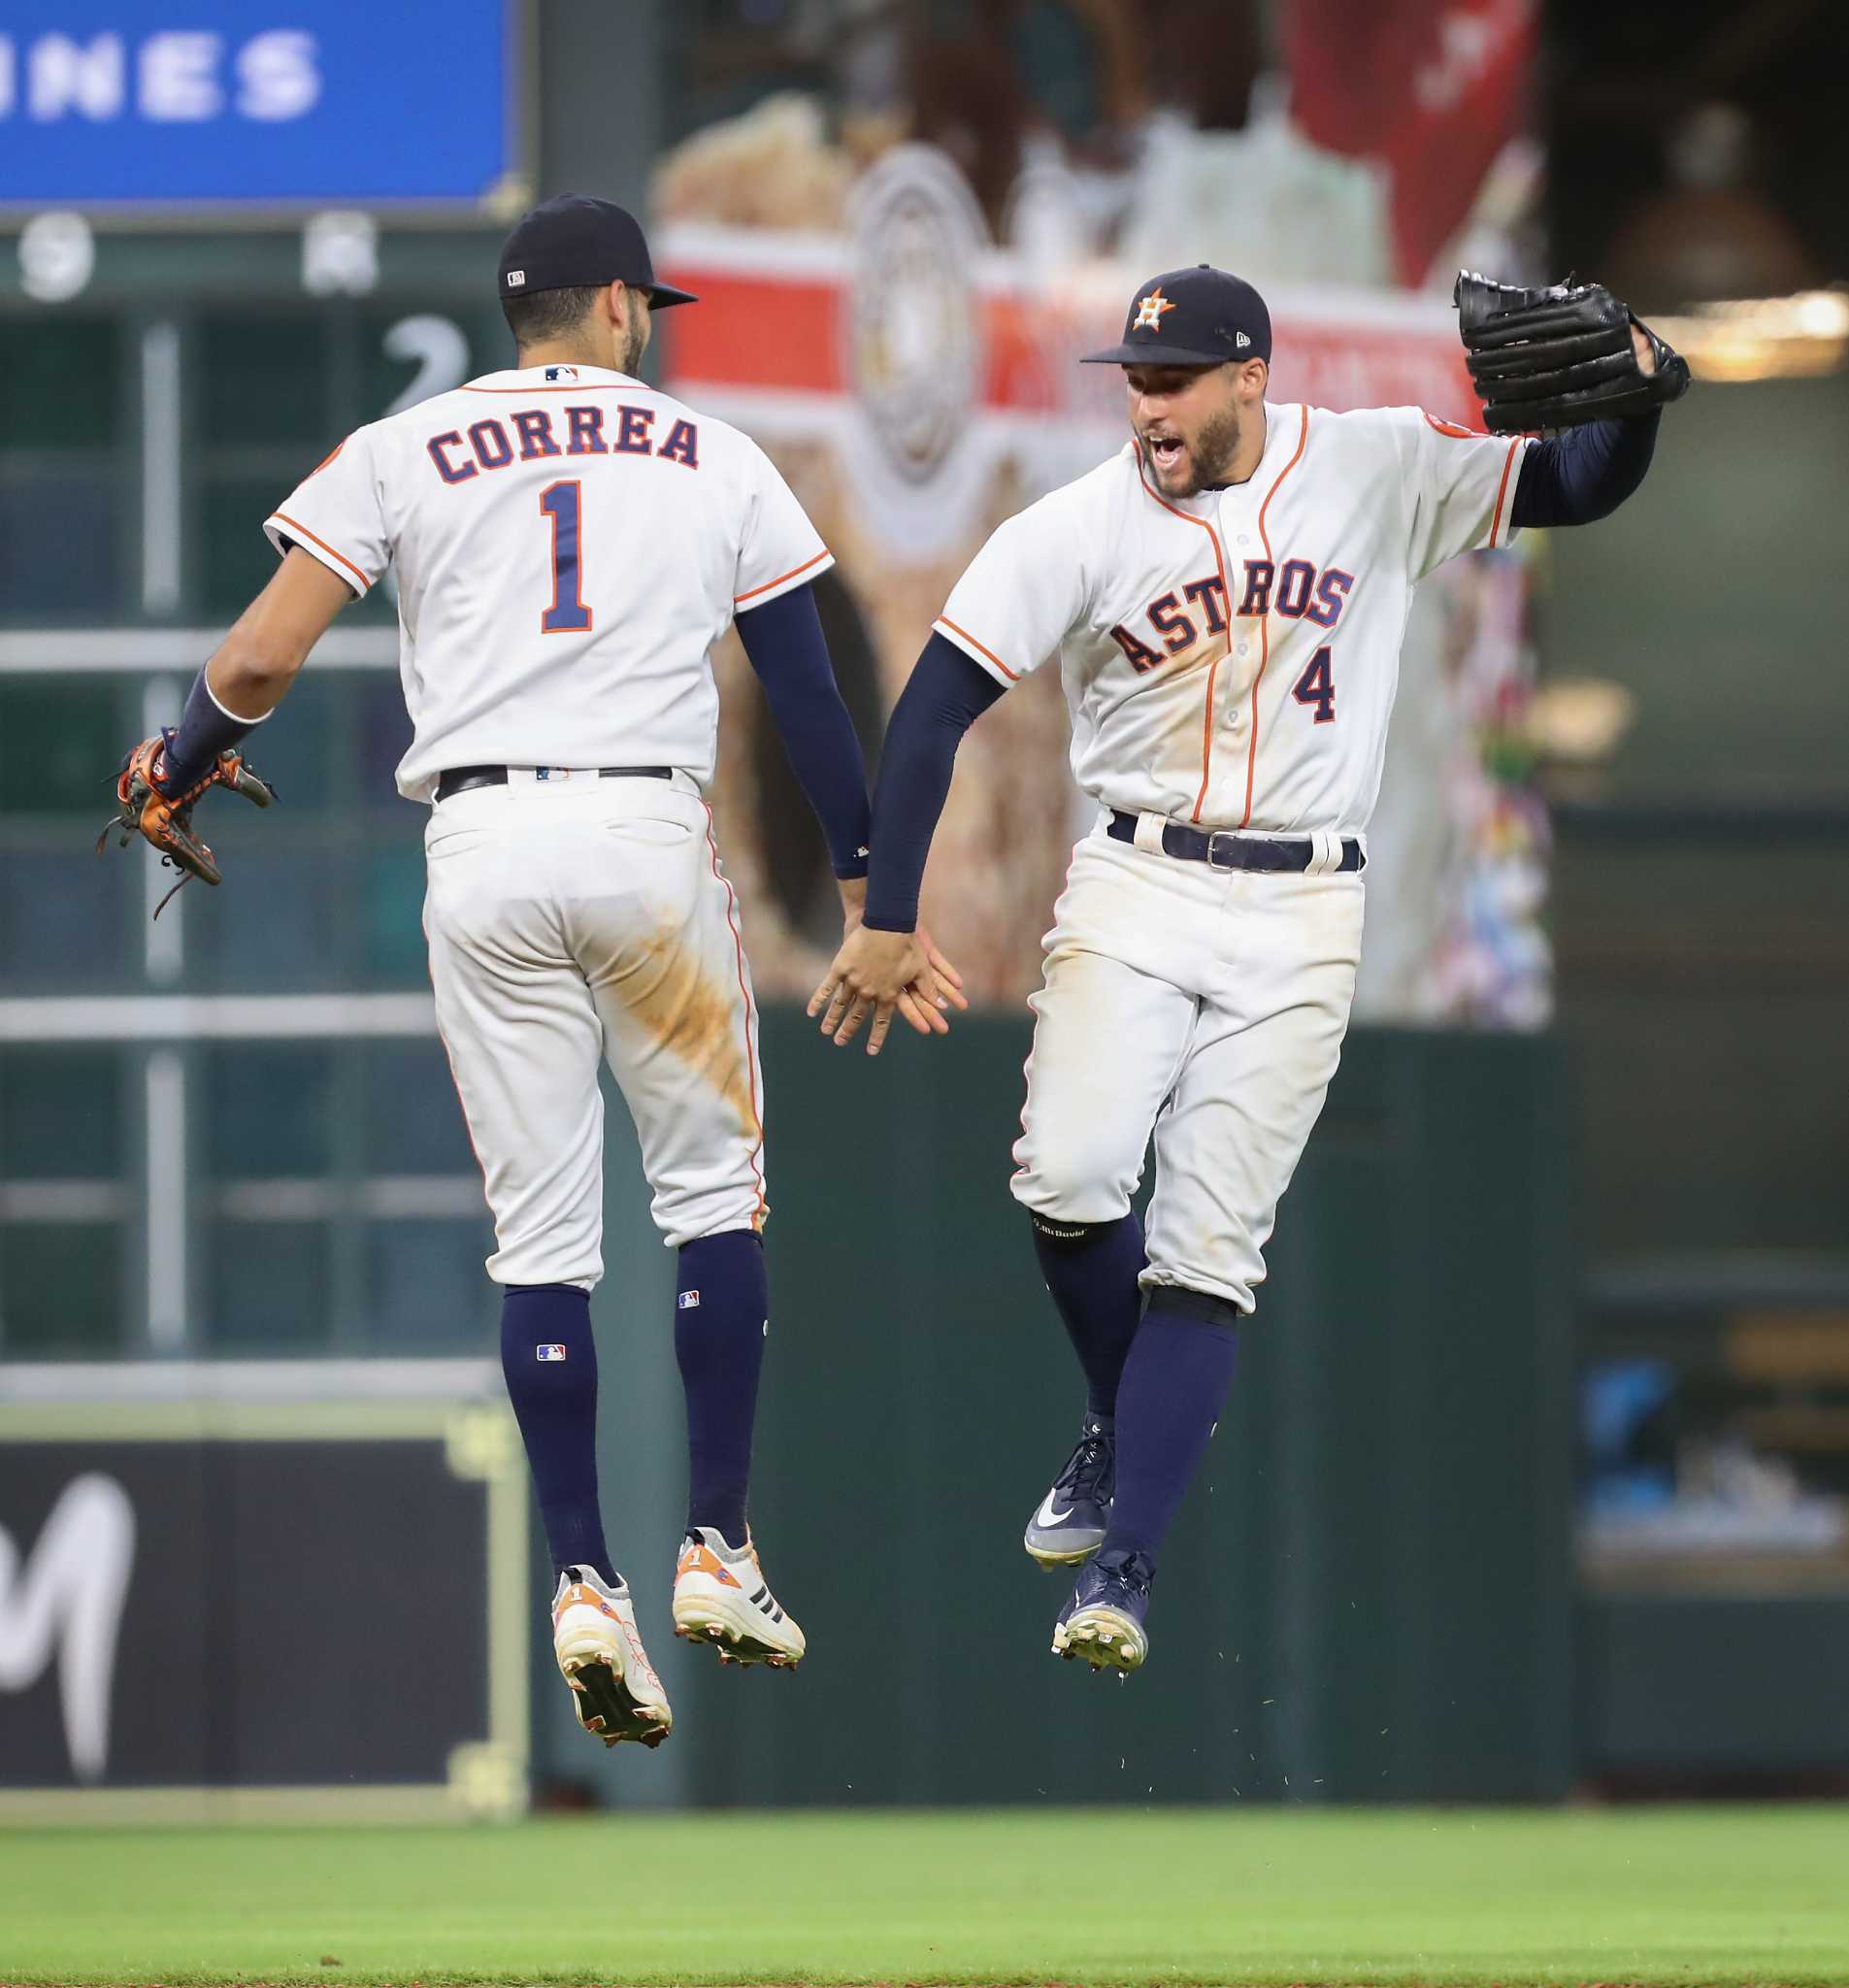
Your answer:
<point x="635" y="344"/>
<point x="1210" y="458"/>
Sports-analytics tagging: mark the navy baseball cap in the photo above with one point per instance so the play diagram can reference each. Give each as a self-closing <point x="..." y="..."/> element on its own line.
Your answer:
<point x="575" y="242"/>
<point x="1199" y="317"/>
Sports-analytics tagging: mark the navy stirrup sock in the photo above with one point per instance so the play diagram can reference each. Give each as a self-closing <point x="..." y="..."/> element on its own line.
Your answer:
<point x="720" y="1316"/>
<point x="1174" y="1388"/>
<point x="1091" y="1268"/>
<point x="550" y="1362"/>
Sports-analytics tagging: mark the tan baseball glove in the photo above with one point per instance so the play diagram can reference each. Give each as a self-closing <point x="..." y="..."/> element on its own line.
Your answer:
<point x="165" y="817"/>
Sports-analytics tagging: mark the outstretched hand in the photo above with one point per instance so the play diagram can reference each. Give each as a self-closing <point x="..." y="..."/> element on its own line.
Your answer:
<point x="886" y="974"/>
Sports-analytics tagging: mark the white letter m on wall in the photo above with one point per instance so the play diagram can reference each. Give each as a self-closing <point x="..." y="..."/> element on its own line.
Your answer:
<point x="70" y="1596"/>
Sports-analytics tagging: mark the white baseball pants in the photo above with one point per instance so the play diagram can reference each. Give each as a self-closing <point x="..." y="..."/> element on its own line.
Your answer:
<point x="574" y="919"/>
<point x="1209" y="1005"/>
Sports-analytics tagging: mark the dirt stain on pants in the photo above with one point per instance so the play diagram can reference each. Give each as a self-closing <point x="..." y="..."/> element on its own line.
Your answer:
<point x="666" y="990"/>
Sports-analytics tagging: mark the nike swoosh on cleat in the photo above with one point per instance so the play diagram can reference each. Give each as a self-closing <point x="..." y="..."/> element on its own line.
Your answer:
<point x="1049" y="1514"/>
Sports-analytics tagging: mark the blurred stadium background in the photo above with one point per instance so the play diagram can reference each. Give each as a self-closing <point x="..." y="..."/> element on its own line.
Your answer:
<point x="1538" y="1480"/>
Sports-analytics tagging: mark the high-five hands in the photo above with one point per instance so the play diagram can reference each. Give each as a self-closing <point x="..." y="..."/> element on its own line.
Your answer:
<point x="886" y="974"/>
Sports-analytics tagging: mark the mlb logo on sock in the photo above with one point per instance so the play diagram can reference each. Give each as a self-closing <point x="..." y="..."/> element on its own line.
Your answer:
<point x="688" y="1301"/>
<point x="550" y="1352"/>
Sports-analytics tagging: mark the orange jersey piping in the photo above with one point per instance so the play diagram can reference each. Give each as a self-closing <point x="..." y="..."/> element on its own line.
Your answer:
<point x="751" y="593"/>
<point x="1213" y="668"/>
<point x="590" y="386"/>
<point x="1501" y="488"/>
<point x="282" y="517"/>
<point x="1013" y="675"/>
<point x="750" y="1055"/>
<point x="1265" y="620"/>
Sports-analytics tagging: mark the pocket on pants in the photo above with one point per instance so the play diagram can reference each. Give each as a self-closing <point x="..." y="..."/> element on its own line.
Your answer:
<point x="657" y="832"/>
<point x="455" y="841"/>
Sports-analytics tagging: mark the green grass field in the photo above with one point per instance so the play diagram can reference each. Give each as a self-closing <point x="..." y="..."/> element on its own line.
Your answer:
<point x="1684" y="1896"/>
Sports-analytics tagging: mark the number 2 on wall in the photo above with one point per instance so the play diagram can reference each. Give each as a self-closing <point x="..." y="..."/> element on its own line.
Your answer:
<point x="1316" y="687"/>
<point x="563" y="504"/>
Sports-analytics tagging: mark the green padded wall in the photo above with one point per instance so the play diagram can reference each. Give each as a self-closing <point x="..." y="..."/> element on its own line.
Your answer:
<point x="1368" y="1594"/>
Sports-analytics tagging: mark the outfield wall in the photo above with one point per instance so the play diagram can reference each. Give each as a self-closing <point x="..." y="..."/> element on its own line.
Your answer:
<point x="269" y="1585"/>
<point x="1367" y="1596"/>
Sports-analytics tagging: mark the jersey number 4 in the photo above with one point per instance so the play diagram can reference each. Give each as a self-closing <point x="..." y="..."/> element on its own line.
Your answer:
<point x="563" y="504"/>
<point x="1317" y="688"/>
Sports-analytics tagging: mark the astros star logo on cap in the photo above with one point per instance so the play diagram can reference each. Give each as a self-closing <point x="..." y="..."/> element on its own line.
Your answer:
<point x="1149" y="311"/>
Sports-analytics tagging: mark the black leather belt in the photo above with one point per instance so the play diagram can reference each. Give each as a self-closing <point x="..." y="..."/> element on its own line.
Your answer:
<point x="1226" y="850"/>
<point x="460" y="778"/>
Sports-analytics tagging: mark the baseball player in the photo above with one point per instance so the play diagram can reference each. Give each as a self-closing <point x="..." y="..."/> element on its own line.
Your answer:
<point x="569" y="543"/>
<point x="1226" y="597"/>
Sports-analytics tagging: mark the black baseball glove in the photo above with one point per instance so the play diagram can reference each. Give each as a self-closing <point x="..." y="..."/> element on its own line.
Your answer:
<point x="1558" y="357"/>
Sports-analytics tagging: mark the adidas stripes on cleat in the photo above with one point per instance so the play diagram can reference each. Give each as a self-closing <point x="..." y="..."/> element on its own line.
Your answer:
<point x="722" y="1597"/>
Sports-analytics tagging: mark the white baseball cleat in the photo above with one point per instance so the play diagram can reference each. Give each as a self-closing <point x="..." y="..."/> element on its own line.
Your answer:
<point x="614" y="1690"/>
<point x="721" y="1597"/>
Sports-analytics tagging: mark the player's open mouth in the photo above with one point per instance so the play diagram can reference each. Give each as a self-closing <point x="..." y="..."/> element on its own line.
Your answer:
<point x="1165" y="450"/>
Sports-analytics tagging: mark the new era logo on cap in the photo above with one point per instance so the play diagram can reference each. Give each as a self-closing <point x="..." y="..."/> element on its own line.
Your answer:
<point x="549" y="1353"/>
<point x="516" y="278"/>
<point x="1243" y="341"/>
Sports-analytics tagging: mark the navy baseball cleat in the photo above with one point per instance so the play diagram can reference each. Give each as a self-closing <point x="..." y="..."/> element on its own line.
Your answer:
<point x="1070" y="1524"/>
<point x="1103" y="1622"/>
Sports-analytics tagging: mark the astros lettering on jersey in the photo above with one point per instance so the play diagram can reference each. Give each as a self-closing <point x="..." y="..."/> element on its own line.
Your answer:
<point x="1231" y="658"/>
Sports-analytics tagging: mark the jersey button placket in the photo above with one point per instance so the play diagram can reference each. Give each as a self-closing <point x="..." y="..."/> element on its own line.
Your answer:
<point x="1235" y="527"/>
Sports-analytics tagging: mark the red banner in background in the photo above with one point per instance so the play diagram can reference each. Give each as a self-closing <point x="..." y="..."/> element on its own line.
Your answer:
<point x="772" y="315"/>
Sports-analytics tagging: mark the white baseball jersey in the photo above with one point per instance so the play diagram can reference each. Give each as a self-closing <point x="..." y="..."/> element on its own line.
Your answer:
<point x="1231" y="658"/>
<point x="569" y="543"/>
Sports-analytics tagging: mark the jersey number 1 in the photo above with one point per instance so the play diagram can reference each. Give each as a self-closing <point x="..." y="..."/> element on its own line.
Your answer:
<point x="562" y="502"/>
<point x="1316" y="687"/>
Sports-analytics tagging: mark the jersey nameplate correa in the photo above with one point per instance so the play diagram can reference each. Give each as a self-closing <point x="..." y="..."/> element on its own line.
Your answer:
<point x="533" y="434"/>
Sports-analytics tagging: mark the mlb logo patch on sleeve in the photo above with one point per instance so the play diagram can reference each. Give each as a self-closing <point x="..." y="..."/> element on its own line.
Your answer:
<point x="688" y="1301"/>
<point x="549" y="1353"/>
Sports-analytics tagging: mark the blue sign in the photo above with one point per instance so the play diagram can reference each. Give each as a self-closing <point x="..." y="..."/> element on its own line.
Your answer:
<point x="165" y="103"/>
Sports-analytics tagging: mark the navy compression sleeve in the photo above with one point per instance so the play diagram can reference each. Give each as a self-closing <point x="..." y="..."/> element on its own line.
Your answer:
<point x="205" y="730"/>
<point x="1584" y="474"/>
<point x="946" y="694"/>
<point x="784" y="642"/>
